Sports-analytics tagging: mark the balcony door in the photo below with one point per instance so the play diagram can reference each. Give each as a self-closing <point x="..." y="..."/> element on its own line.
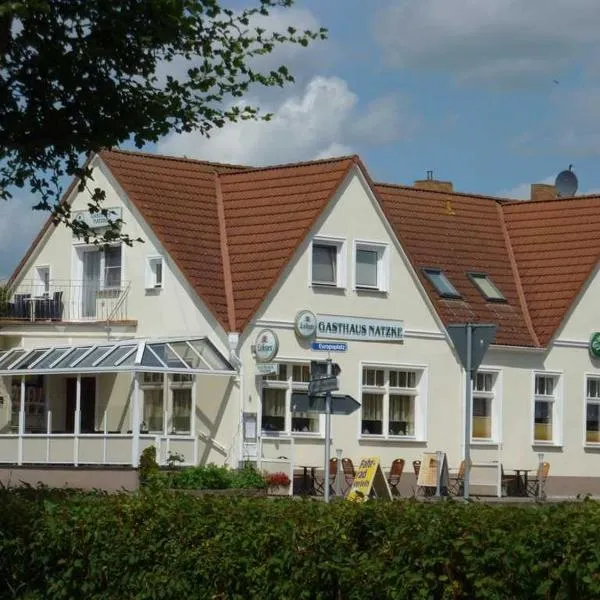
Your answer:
<point x="91" y="282"/>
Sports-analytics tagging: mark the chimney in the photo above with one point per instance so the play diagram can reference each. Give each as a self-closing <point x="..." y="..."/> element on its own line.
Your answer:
<point x="543" y="191"/>
<point x="433" y="184"/>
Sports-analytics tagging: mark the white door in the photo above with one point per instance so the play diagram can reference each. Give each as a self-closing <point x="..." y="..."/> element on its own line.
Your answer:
<point x="91" y="283"/>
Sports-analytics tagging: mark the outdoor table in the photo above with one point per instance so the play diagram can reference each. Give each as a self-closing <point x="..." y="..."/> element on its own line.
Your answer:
<point x="521" y="479"/>
<point x="308" y="480"/>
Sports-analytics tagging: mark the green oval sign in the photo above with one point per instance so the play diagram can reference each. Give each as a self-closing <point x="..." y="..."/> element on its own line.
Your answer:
<point x="595" y="345"/>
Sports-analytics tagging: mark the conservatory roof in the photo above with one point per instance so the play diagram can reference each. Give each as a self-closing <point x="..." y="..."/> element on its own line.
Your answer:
<point x="181" y="355"/>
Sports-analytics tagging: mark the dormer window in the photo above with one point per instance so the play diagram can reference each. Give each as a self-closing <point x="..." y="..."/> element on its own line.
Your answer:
<point x="487" y="288"/>
<point x="441" y="283"/>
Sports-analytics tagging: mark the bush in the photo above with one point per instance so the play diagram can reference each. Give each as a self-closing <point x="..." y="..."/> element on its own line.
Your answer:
<point x="155" y="544"/>
<point x="212" y="477"/>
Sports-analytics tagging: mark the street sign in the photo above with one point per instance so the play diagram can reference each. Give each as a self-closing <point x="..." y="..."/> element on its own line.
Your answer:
<point x="330" y="346"/>
<point x="483" y="335"/>
<point x="323" y="385"/>
<point x="318" y="369"/>
<point x="340" y="404"/>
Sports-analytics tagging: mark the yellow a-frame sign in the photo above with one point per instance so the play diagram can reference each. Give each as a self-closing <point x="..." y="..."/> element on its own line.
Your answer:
<point x="369" y="481"/>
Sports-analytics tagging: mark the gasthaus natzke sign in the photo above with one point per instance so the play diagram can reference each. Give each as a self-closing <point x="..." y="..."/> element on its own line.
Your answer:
<point x="341" y="327"/>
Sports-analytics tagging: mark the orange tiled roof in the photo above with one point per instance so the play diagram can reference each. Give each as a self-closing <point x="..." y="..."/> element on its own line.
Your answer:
<point x="459" y="234"/>
<point x="177" y="198"/>
<point x="232" y="230"/>
<point x="557" y="245"/>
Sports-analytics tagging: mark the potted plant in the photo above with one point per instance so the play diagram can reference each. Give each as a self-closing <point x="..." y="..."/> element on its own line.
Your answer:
<point x="277" y="483"/>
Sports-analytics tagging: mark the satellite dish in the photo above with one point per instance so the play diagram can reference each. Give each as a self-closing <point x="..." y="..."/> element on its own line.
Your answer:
<point x="566" y="183"/>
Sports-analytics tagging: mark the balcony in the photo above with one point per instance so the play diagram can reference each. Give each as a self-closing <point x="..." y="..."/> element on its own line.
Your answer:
<point x="64" y="300"/>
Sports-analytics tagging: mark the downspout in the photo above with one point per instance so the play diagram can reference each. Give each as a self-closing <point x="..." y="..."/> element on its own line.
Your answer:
<point x="234" y="340"/>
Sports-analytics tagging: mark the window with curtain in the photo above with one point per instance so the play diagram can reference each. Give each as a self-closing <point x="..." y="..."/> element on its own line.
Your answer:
<point x="482" y="425"/>
<point x="324" y="263"/>
<point x="153" y="408"/>
<point x="544" y="429"/>
<point x="182" y="410"/>
<point x="277" y="390"/>
<point x="112" y="267"/>
<point x="389" y="398"/>
<point x="592" y="410"/>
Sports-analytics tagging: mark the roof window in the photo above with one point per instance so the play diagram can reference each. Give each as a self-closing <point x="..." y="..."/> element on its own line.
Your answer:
<point x="441" y="283"/>
<point x="486" y="286"/>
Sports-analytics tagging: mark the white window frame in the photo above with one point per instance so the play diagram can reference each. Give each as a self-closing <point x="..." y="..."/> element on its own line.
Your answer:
<point x="589" y="400"/>
<point x="495" y="395"/>
<point x="103" y="267"/>
<point x="383" y="266"/>
<point x="151" y="283"/>
<point x="420" y="403"/>
<point x="557" y="408"/>
<point x="341" y="262"/>
<point x="289" y="386"/>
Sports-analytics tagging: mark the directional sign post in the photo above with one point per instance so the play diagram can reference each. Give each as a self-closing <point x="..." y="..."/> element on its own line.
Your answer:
<point x="322" y="386"/>
<point x="471" y="340"/>
<point x="340" y="404"/>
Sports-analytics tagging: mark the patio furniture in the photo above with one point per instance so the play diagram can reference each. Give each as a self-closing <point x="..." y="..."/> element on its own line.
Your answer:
<point x="348" y="474"/>
<point x="522" y="481"/>
<point x="319" y="482"/>
<point x="536" y="486"/>
<point x="395" y="475"/>
<point x="456" y="483"/>
<point x="509" y="483"/>
<point x="307" y="481"/>
<point x="21" y="307"/>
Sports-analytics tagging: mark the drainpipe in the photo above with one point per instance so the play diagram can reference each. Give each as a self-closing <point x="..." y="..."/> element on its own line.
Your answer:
<point x="233" y="340"/>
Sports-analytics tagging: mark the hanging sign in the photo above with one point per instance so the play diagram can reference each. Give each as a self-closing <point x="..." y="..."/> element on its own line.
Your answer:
<point x="266" y="346"/>
<point x="305" y="324"/>
<point x="369" y="480"/>
<point x="595" y="344"/>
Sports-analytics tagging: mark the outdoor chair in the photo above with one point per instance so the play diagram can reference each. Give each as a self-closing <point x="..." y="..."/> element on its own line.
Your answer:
<point x="22" y="306"/>
<point x="455" y="486"/>
<point x="536" y="486"/>
<point x="416" y="468"/>
<point x="348" y="473"/>
<point x="320" y="481"/>
<point x="395" y="475"/>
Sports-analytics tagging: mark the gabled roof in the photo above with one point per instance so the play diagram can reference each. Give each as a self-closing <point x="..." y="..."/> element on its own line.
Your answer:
<point x="556" y="245"/>
<point x="459" y="234"/>
<point x="233" y="229"/>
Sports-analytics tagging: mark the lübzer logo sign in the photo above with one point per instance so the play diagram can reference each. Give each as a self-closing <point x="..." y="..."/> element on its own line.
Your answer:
<point x="266" y="346"/>
<point x="595" y="345"/>
<point x="97" y="220"/>
<point x="305" y="324"/>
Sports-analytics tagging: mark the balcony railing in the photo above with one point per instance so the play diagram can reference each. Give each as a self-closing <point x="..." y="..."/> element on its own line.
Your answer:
<point x="64" y="300"/>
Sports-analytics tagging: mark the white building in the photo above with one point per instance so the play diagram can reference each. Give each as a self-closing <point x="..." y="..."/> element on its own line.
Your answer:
<point x="104" y="351"/>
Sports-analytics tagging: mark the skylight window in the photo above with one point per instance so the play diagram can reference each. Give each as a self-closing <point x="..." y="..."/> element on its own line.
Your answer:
<point x="487" y="288"/>
<point x="441" y="283"/>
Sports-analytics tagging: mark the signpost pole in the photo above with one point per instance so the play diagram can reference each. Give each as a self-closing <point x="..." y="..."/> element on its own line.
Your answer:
<point x="468" y="410"/>
<point x="327" y="433"/>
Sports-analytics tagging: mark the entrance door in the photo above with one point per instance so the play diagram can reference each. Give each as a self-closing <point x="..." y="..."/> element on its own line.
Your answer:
<point x="91" y="283"/>
<point x="88" y="404"/>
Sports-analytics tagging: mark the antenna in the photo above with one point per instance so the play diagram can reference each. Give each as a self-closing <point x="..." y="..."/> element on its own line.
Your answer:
<point x="566" y="183"/>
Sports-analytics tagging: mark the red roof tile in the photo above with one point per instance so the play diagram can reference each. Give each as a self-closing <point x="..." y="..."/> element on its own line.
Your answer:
<point x="459" y="234"/>
<point x="557" y="245"/>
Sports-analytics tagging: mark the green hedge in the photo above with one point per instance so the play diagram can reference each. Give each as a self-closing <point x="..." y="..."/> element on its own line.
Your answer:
<point x="157" y="545"/>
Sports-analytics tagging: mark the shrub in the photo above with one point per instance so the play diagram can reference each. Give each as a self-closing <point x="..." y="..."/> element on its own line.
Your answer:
<point x="148" y="468"/>
<point x="159" y="545"/>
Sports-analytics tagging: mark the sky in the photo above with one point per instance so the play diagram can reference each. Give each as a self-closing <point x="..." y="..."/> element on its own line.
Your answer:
<point x="492" y="96"/>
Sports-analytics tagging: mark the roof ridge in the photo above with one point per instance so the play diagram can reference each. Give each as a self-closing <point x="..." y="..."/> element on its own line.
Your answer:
<point x="510" y="202"/>
<point x="498" y="199"/>
<point x="177" y="158"/>
<point x="227" y="279"/>
<point x="515" y="269"/>
<point x="291" y="165"/>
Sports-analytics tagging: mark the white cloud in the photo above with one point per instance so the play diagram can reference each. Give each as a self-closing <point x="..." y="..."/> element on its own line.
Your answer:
<point x="323" y="119"/>
<point x="18" y="226"/>
<point x="498" y="42"/>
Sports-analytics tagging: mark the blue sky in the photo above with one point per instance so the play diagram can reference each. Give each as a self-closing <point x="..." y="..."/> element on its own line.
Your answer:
<point x="492" y="95"/>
